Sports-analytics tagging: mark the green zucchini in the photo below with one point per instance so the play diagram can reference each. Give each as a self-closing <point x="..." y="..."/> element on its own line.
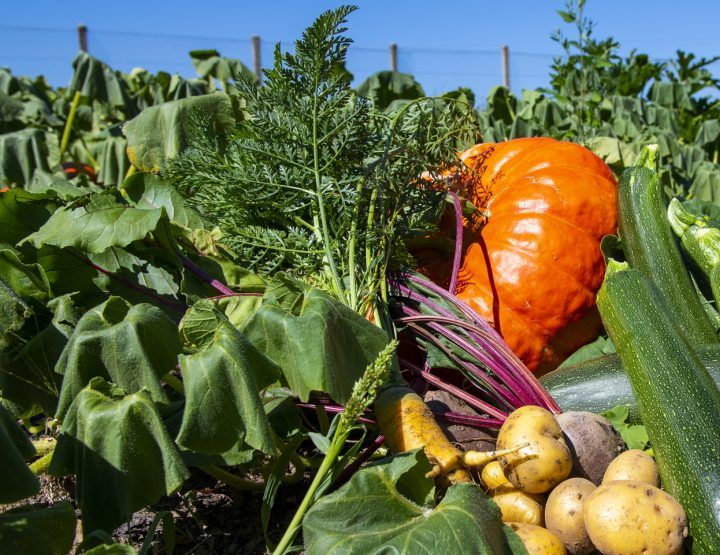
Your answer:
<point x="649" y="245"/>
<point x="678" y="401"/>
<point x="599" y="384"/>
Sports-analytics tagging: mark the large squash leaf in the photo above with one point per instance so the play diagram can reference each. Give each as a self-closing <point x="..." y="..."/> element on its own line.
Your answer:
<point x="120" y="451"/>
<point x="95" y="80"/>
<point x="133" y="346"/>
<point x="16" y="479"/>
<point x="99" y="225"/>
<point x="384" y="509"/>
<point x="47" y="531"/>
<point x="28" y="382"/>
<point x="21" y="213"/>
<point x="161" y="132"/>
<point x="386" y="87"/>
<point x="24" y="151"/>
<point x="222" y="384"/>
<point x="319" y="343"/>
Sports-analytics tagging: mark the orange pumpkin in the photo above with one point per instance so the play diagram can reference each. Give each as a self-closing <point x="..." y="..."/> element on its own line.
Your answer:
<point x="534" y="267"/>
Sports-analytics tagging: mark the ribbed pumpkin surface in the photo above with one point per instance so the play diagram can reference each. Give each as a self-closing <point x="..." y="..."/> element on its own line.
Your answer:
<point x="535" y="266"/>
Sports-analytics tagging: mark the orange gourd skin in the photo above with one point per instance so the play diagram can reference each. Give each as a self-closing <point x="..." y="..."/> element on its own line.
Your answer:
<point x="534" y="268"/>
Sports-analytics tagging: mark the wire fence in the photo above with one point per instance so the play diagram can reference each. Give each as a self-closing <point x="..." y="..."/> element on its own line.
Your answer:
<point x="49" y="51"/>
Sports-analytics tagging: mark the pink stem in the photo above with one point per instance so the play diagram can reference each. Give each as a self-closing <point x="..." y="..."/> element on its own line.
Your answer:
<point x="458" y="243"/>
<point x="456" y="391"/>
<point x="518" y="367"/>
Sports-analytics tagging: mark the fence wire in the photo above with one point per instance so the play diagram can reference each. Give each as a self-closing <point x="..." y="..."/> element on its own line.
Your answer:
<point x="49" y="51"/>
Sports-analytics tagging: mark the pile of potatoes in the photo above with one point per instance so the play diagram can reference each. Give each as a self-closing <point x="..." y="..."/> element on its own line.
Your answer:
<point x="621" y="510"/>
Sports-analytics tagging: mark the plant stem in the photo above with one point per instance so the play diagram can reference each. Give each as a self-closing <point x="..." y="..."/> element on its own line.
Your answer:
<point x="41" y="465"/>
<point x="174" y="383"/>
<point x="334" y="276"/>
<point x="353" y="300"/>
<point x="130" y="285"/>
<point x="202" y="274"/>
<point x="294" y="527"/>
<point x="458" y="243"/>
<point x="68" y="124"/>
<point x="131" y="170"/>
<point x="231" y="479"/>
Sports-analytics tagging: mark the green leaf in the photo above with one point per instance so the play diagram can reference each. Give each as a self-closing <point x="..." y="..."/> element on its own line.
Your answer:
<point x="28" y="382"/>
<point x="161" y="132"/>
<point x="48" y="531"/>
<point x="21" y="213"/>
<point x="16" y="479"/>
<point x="148" y="191"/>
<point x="635" y="436"/>
<point x="321" y="442"/>
<point x="209" y="63"/>
<point x="566" y="16"/>
<point x="98" y="226"/>
<point x="600" y="347"/>
<point x="50" y="184"/>
<point x="222" y="384"/>
<point x="97" y="81"/>
<point x="26" y="280"/>
<point x="140" y="266"/>
<point x="319" y="343"/>
<point x="386" y="87"/>
<point x="707" y="211"/>
<point x="133" y="346"/>
<point x="708" y="133"/>
<point x="23" y="152"/>
<point x="13" y="314"/>
<point x="116" y="444"/>
<point x="614" y="152"/>
<point x="382" y="510"/>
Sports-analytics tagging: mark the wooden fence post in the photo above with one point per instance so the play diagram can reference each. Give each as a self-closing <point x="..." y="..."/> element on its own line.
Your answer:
<point x="505" y="57"/>
<point x="82" y="37"/>
<point x="257" y="64"/>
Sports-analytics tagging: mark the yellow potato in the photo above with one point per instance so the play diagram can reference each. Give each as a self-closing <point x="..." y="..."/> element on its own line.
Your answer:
<point x="633" y="465"/>
<point x="545" y="461"/>
<point x="518" y="506"/>
<point x="630" y="517"/>
<point x="564" y="514"/>
<point x="537" y="540"/>
<point x="492" y="476"/>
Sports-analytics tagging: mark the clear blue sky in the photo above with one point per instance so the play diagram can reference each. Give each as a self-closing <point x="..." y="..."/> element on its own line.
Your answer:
<point x="444" y="47"/>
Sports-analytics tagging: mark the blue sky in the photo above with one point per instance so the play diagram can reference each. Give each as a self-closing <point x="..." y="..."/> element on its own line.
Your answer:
<point x="444" y="47"/>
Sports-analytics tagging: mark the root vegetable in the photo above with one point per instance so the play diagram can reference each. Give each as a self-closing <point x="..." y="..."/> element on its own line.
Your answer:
<point x="515" y="505"/>
<point x="538" y="540"/>
<point x="592" y="441"/>
<point x="629" y="517"/>
<point x="492" y="476"/>
<point x="633" y="465"/>
<point x="407" y="423"/>
<point x="564" y="515"/>
<point x="518" y="506"/>
<point x="542" y="464"/>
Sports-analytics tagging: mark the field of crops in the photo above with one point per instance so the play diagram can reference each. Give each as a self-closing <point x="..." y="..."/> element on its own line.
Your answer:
<point x="302" y="315"/>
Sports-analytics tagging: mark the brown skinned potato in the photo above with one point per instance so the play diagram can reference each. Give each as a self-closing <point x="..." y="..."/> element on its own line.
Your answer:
<point x="545" y="461"/>
<point x="564" y="515"/>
